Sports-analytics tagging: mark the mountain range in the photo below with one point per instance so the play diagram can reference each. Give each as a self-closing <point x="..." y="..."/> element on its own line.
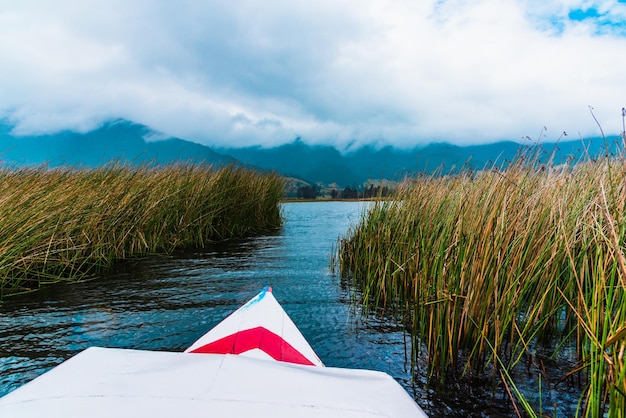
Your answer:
<point x="131" y="143"/>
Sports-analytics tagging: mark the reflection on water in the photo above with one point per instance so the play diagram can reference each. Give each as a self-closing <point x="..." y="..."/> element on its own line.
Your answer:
<point x="167" y="303"/>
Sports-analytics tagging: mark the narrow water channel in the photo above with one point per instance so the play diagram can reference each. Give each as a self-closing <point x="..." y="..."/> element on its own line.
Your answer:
<point x="167" y="303"/>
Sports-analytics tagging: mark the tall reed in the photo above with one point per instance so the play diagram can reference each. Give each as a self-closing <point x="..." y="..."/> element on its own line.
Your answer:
<point x="67" y="223"/>
<point x="488" y="266"/>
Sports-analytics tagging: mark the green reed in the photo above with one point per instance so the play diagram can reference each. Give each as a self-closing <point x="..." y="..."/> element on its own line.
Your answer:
<point x="64" y="223"/>
<point x="486" y="266"/>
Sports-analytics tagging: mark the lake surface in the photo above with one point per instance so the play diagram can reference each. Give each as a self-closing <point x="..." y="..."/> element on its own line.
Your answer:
<point x="166" y="303"/>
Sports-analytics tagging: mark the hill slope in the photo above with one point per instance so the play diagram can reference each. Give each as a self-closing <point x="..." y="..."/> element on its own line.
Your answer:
<point x="115" y="141"/>
<point x="325" y="164"/>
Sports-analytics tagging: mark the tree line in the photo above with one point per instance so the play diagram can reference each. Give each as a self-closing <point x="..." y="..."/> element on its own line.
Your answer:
<point x="354" y="192"/>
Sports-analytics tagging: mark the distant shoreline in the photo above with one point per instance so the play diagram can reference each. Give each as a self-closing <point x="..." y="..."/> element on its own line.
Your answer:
<point x="295" y="200"/>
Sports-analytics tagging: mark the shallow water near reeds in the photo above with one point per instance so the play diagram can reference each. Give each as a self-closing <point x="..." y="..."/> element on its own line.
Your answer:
<point x="167" y="303"/>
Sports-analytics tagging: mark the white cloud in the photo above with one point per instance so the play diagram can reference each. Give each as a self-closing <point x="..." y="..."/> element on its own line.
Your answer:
<point x="330" y="71"/>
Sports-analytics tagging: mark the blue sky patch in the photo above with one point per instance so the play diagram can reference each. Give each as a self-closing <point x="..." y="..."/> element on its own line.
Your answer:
<point x="580" y="14"/>
<point x="605" y="23"/>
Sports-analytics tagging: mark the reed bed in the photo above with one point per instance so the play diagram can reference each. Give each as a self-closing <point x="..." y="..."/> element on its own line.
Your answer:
<point x="65" y="224"/>
<point x="486" y="268"/>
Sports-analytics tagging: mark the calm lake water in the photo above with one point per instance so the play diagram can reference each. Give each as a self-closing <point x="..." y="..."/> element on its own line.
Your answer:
<point x="167" y="303"/>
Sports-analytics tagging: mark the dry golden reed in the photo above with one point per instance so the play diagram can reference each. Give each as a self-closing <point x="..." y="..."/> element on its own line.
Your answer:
<point x="484" y="266"/>
<point x="67" y="223"/>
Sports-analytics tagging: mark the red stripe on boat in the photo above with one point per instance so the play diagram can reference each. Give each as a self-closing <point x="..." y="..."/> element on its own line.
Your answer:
<point x="252" y="338"/>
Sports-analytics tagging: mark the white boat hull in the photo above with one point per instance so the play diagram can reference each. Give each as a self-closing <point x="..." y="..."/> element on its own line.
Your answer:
<point x="107" y="382"/>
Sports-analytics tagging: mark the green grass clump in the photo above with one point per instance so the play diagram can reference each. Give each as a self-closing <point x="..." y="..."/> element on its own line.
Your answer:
<point x="486" y="267"/>
<point x="68" y="223"/>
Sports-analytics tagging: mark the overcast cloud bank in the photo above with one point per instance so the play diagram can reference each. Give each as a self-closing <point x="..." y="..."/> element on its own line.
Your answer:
<point x="336" y="72"/>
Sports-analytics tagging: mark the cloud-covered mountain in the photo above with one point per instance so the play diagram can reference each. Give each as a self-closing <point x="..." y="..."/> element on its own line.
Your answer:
<point x="121" y="141"/>
<point x="132" y="143"/>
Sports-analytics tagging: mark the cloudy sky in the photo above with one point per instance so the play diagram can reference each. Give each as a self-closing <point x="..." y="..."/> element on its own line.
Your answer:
<point x="340" y="72"/>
